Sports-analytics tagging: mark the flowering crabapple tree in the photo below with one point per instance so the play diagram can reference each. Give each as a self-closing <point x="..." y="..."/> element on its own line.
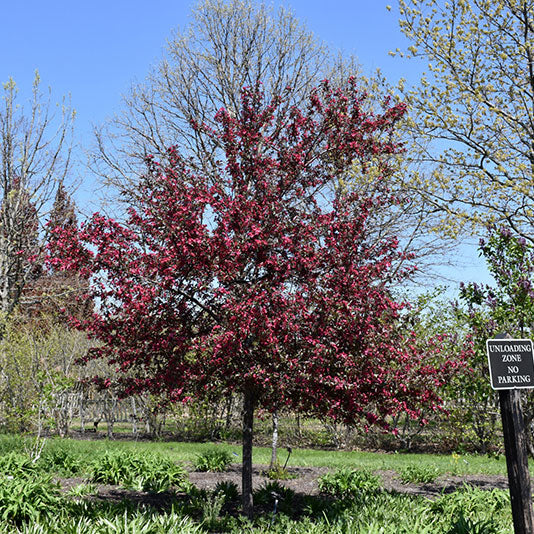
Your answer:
<point x="260" y="280"/>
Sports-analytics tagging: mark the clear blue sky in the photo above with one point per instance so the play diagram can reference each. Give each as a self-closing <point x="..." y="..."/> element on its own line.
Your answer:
<point x="94" y="50"/>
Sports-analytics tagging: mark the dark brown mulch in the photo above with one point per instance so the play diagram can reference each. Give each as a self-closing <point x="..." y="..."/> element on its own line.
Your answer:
<point x="305" y="483"/>
<point x="443" y="484"/>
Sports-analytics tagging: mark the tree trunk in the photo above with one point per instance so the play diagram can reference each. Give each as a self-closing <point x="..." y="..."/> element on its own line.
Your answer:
<point x="40" y="418"/>
<point x="515" y="445"/>
<point x="248" y="425"/>
<point x="135" y="431"/>
<point x="228" y="421"/>
<point x="110" y="406"/>
<point x="274" y="444"/>
<point x="82" y="412"/>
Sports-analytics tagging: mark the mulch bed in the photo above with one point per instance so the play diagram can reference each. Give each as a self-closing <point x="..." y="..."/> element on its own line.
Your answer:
<point x="305" y="483"/>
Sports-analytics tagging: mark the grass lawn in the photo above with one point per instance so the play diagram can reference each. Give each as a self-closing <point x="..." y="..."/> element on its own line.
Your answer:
<point x="187" y="452"/>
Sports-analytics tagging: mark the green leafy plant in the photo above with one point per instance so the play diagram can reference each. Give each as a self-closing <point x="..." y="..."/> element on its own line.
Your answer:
<point x="207" y="507"/>
<point x="113" y="467"/>
<point x="10" y="443"/>
<point x="81" y="490"/>
<point x="278" y="472"/>
<point x="228" y="489"/>
<point x="214" y="460"/>
<point x="27" y="499"/>
<point x="348" y="483"/>
<point x="468" y="526"/>
<point x="17" y="464"/>
<point x="418" y="474"/>
<point x="62" y="461"/>
<point x="141" y="472"/>
<point x="272" y="493"/>
<point x="211" y="508"/>
<point x="472" y="501"/>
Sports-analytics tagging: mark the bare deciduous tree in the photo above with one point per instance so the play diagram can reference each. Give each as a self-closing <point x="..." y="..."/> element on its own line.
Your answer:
<point x="35" y="150"/>
<point x="228" y="46"/>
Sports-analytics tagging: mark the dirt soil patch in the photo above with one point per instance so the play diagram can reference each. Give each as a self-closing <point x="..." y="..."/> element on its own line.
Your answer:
<point x="305" y="482"/>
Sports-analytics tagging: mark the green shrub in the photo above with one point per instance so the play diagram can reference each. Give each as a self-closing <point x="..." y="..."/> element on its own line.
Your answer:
<point x="471" y="501"/>
<point x="27" y="499"/>
<point x="214" y="460"/>
<point x="267" y="494"/>
<point x="228" y="489"/>
<point x="277" y="472"/>
<point x="137" y="471"/>
<point x="17" y="464"/>
<point x="348" y="483"/>
<point x="61" y="461"/>
<point x="418" y="474"/>
<point x="468" y="526"/>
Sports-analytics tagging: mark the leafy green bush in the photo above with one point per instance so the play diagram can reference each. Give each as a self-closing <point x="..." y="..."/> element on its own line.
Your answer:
<point x="473" y="502"/>
<point x="62" y="461"/>
<point x="277" y="472"/>
<point x="141" y="472"/>
<point x="468" y="526"/>
<point x="214" y="460"/>
<point x="17" y="464"/>
<point x="27" y="499"/>
<point x="348" y="483"/>
<point x="228" y="489"/>
<point x="267" y="494"/>
<point x="418" y="474"/>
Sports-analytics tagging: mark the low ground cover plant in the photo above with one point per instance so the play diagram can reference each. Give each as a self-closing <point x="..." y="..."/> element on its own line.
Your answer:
<point x="348" y="483"/>
<point x="141" y="472"/>
<point x="27" y="498"/>
<point x="17" y="464"/>
<point x="472" y="502"/>
<point x="214" y="460"/>
<point x="229" y="489"/>
<point x="418" y="474"/>
<point x="381" y="513"/>
<point x="276" y="497"/>
<point x="62" y="461"/>
<point x="82" y="490"/>
<point x="367" y="509"/>
<point x="472" y="526"/>
<point x="279" y="472"/>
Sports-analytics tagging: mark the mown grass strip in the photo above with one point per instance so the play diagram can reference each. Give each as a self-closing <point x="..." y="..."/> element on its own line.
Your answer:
<point x="188" y="452"/>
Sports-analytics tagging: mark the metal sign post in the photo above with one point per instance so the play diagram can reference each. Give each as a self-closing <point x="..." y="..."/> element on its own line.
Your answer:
<point x="511" y="364"/>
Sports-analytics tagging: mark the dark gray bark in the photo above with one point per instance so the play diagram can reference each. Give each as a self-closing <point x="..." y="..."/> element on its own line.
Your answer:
<point x="248" y="427"/>
<point x="515" y="443"/>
